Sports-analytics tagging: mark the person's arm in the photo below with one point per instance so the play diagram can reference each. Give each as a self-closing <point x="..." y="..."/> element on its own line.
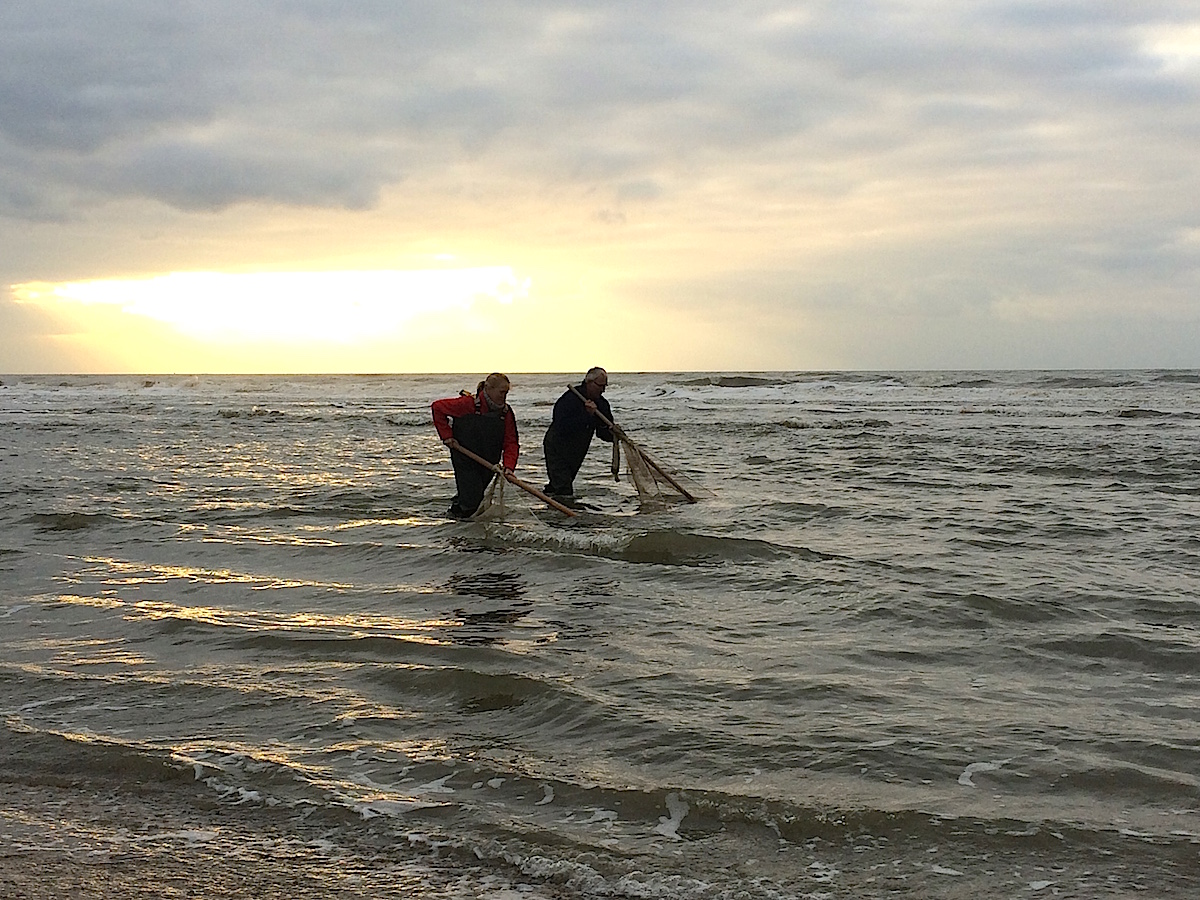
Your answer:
<point x="603" y="431"/>
<point x="445" y="410"/>
<point x="512" y="446"/>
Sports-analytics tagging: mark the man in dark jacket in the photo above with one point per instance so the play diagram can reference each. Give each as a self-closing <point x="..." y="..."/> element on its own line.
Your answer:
<point x="572" y="425"/>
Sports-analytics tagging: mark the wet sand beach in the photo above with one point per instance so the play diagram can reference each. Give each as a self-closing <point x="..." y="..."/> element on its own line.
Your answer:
<point x="68" y="834"/>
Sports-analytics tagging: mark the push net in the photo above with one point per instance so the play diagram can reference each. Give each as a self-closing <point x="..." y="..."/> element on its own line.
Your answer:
<point x="644" y="471"/>
<point x="492" y="506"/>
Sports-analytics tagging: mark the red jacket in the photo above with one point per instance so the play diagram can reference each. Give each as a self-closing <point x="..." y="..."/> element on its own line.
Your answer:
<point x="464" y="405"/>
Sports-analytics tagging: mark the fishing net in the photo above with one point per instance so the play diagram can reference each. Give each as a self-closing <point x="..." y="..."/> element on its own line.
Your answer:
<point x="492" y="505"/>
<point x="645" y="475"/>
<point x="644" y="478"/>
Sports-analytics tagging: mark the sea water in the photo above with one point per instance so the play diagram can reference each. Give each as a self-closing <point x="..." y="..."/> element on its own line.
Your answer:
<point x="927" y="634"/>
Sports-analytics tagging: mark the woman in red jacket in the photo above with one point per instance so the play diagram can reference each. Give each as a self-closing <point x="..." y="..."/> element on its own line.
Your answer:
<point x="485" y="425"/>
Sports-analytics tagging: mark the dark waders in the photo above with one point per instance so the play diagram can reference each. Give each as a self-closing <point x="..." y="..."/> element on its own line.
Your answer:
<point x="565" y="452"/>
<point x="482" y="433"/>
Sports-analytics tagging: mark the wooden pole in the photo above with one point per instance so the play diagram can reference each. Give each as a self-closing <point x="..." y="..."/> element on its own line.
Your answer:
<point x="496" y="467"/>
<point x="616" y="429"/>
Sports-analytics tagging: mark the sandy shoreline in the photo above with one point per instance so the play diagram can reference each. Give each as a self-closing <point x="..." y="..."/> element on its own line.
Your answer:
<point x="73" y="842"/>
<point x="71" y="829"/>
<point x="69" y="836"/>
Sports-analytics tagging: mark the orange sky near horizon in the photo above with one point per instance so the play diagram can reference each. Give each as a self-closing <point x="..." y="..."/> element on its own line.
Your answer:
<point x="346" y="322"/>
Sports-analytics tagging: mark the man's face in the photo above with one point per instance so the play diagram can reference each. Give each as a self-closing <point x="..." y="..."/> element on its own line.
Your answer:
<point x="596" y="387"/>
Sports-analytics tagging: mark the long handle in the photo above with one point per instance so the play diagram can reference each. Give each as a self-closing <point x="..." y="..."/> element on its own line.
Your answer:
<point x="616" y="429"/>
<point x="495" y="467"/>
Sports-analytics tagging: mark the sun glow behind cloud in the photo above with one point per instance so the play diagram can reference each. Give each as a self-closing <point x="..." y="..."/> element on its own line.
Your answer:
<point x="340" y="307"/>
<point x="1178" y="46"/>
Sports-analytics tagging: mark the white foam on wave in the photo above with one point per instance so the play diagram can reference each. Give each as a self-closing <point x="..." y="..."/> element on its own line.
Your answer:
<point x="561" y="540"/>
<point x="437" y="786"/>
<point x="247" y="796"/>
<point x="49" y="701"/>
<point x="967" y="774"/>
<point x="588" y="881"/>
<point x="605" y="816"/>
<point x="393" y="808"/>
<point x="192" y="837"/>
<point x="823" y="873"/>
<point x="943" y="870"/>
<point x="669" y="827"/>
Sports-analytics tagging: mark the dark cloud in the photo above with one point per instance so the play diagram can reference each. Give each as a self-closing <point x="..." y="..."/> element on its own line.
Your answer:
<point x="205" y="105"/>
<point x="206" y="176"/>
<point x="76" y="75"/>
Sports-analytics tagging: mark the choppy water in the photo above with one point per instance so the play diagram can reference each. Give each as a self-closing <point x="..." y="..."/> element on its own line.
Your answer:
<point x="934" y="634"/>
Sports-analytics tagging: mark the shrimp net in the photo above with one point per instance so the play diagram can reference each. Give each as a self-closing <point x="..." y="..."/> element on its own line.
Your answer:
<point x="492" y="505"/>
<point x="644" y="471"/>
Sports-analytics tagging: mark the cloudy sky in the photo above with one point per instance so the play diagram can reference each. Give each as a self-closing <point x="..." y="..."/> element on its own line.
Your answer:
<point x="436" y="185"/>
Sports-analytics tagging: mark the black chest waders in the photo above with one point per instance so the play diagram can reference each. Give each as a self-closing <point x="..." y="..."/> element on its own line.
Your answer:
<point x="482" y="434"/>
<point x="565" y="446"/>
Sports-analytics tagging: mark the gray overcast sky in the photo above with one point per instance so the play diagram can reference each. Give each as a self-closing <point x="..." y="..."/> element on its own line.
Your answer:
<point x="695" y="185"/>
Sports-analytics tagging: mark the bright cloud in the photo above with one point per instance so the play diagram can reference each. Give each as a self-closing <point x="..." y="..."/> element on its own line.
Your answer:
<point x="338" y="307"/>
<point x="1178" y="46"/>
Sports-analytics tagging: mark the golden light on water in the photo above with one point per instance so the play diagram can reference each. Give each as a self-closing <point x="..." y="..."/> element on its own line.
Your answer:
<point x="425" y="631"/>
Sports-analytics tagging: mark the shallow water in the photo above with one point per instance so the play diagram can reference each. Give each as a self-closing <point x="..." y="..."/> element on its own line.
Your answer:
<point x="924" y="632"/>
